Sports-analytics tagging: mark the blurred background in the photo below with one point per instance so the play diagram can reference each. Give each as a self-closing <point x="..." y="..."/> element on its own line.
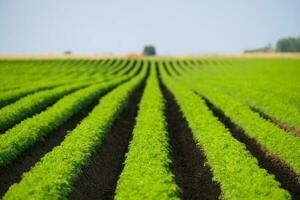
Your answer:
<point x="122" y="27"/>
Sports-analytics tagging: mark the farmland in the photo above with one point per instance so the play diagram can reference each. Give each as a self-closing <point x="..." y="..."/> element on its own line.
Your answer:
<point x="150" y="128"/>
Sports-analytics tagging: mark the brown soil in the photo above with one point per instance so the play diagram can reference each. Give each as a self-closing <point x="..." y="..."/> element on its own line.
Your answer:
<point x="37" y="110"/>
<point x="188" y="160"/>
<point x="278" y="123"/>
<point x="284" y="126"/>
<point x="283" y="173"/>
<point x="11" y="173"/>
<point x="99" y="178"/>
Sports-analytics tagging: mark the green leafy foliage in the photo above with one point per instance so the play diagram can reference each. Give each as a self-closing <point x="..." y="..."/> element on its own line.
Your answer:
<point x="262" y="84"/>
<point x="39" y="95"/>
<point x="146" y="174"/>
<point x="82" y="74"/>
<point x="282" y="144"/>
<point x="19" y="138"/>
<point x="228" y="158"/>
<point x="31" y="104"/>
<point x="52" y="177"/>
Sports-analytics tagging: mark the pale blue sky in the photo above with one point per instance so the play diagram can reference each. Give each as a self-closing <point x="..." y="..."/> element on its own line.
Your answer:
<point x="122" y="26"/>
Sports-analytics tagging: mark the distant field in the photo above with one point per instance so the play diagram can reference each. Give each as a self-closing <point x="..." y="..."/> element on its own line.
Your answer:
<point x="184" y="127"/>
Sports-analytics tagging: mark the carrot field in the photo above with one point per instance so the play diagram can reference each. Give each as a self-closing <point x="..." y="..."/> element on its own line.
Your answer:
<point x="150" y="128"/>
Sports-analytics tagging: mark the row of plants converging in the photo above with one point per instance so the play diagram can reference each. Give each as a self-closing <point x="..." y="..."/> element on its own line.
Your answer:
<point x="240" y="124"/>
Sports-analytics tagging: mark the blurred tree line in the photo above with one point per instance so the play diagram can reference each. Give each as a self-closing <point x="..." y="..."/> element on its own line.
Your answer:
<point x="290" y="44"/>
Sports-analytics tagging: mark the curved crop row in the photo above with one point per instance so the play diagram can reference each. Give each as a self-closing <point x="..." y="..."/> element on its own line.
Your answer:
<point x="123" y="64"/>
<point x="68" y="76"/>
<point x="146" y="174"/>
<point x="12" y="95"/>
<point x="52" y="72"/>
<point x="281" y="144"/>
<point x="53" y="176"/>
<point x="256" y="90"/>
<point x="228" y="158"/>
<point x="273" y="139"/>
<point x="270" y="105"/>
<point x="14" y="141"/>
<point x="31" y="104"/>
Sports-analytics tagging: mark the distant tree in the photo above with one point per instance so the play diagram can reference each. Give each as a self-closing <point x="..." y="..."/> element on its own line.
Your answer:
<point x="149" y="50"/>
<point x="68" y="52"/>
<point x="290" y="44"/>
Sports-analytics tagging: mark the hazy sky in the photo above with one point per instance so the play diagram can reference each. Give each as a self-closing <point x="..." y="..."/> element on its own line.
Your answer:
<point x="122" y="26"/>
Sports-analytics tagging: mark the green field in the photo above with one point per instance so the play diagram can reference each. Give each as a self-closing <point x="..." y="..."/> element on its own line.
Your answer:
<point x="150" y="128"/>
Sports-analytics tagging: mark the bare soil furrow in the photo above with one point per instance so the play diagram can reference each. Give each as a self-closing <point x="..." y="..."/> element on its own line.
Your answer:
<point x="283" y="173"/>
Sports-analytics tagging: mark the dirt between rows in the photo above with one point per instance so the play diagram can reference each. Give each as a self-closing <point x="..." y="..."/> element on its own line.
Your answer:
<point x="277" y="123"/>
<point x="191" y="174"/>
<point x="11" y="173"/>
<point x="98" y="179"/>
<point x="283" y="173"/>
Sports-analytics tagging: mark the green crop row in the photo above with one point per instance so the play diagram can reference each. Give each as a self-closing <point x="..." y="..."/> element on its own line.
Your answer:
<point x="268" y="104"/>
<point x="146" y="174"/>
<point x="31" y="104"/>
<point x="53" y="176"/>
<point x="20" y="75"/>
<point x="281" y="107"/>
<point x="46" y="93"/>
<point x="254" y="86"/>
<point x="118" y="66"/>
<point x="14" y="141"/>
<point x="229" y="160"/>
<point x="12" y="95"/>
<point x="271" y="138"/>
